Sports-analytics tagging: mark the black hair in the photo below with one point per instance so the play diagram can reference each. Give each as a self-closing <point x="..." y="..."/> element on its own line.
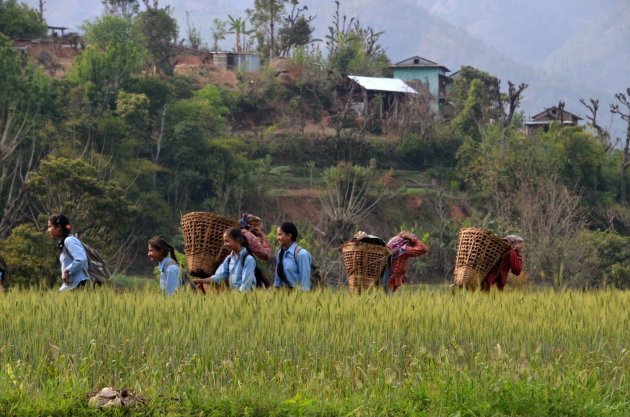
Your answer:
<point x="63" y="223"/>
<point x="162" y="245"/>
<point x="290" y="228"/>
<point x="236" y="234"/>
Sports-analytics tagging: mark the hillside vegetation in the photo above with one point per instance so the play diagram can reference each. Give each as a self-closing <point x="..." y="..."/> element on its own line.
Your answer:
<point x="124" y="145"/>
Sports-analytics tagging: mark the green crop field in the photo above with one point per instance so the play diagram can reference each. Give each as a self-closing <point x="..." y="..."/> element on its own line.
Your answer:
<point x="425" y="352"/>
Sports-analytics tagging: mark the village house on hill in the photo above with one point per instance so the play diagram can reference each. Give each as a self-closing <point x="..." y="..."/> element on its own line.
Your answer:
<point x="425" y="76"/>
<point x="544" y="119"/>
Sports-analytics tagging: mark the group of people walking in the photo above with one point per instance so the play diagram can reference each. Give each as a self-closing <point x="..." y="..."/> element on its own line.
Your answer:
<point x="247" y="244"/>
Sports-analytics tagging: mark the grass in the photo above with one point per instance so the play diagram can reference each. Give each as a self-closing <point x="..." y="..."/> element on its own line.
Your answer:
<point x="271" y="353"/>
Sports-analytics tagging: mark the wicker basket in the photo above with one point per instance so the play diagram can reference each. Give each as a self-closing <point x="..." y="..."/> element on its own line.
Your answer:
<point x="478" y="250"/>
<point x="364" y="264"/>
<point x="203" y="241"/>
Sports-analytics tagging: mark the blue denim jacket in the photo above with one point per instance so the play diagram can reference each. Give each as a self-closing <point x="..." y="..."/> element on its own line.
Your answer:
<point x="169" y="276"/>
<point x="74" y="259"/>
<point x="240" y="275"/>
<point x="298" y="272"/>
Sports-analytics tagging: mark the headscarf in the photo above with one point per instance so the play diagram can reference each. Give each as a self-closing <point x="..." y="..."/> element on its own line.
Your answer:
<point x="247" y="219"/>
<point x="397" y="245"/>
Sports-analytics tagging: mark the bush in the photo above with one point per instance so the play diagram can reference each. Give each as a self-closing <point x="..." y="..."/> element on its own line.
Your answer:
<point x="30" y="257"/>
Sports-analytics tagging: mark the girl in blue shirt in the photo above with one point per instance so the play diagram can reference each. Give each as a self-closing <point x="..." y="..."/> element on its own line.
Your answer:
<point x="239" y="267"/>
<point x="293" y="264"/>
<point x="159" y="250"/>
<point x="72" y="255"/>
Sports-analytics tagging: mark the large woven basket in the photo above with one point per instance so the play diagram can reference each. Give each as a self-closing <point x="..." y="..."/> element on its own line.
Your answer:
<point x="478" y="250"/>
<point x="203" y="241"/>
<point x="364" y="264"/>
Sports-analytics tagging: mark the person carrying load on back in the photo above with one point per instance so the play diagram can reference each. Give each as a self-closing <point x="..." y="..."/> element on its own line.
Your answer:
<point x="238" y="268"/>
<point x="293" y="263"/>
<point x="252" y="230"/>
<point x="71" y="253"/>
<point x="405" y="245"/>
<point x="159" y="251"/>
<point x="511" y="261"/>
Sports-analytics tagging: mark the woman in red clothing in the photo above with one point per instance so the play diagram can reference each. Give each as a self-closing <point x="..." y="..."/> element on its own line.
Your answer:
<point x="403" y="246"/>
<point x="252" y="230"/>
<point x="511" y="261"/>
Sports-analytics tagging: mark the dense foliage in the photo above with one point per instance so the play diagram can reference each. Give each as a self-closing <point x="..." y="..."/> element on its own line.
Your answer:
<point x="124" y="145"/>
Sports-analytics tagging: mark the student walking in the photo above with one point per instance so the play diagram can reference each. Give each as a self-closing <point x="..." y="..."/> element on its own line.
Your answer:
<point x="159" y="251"/>
<point x="293" y="263"/>
<point x="71" y="253"/>
<point x="238" y="268"/>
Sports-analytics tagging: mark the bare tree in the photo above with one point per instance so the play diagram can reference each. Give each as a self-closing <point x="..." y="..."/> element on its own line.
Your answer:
<point x="352" y="193"/>
<point x="513" y="100"/>
<point x="602" y="134"/>
<point x="550" y="218"/>
<point x="616" y="109"/>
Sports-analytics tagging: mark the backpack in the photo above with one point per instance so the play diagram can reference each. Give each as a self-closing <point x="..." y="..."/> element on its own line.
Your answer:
<point x="97" y="268"/>
<point x="4" y="273"/>
<point x="184" y="276"/>
<point x="316" y="275"/>
<point x="261" y="279"/>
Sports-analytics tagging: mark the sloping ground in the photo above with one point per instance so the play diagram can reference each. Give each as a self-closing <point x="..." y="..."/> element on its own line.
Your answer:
<point x="55" y="58"/>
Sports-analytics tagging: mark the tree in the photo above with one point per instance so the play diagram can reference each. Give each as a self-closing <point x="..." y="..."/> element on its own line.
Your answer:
<point x="20" y="20"/>
<point x="296" y="31"/>
<point x="31" y="255"/>
<point x="550" y="219"/>
<point x="616" y="109"/>
<point x="194" y="35"/>
<point x="602" y="134"/>
<point x="122" y="8"/>
<point x="219" y="30"/>
<point x="159" y="31"/>
<point x="266" y="17"/>
<point x="25" y="93"/>
<point x="114" y="55"/>
<point x="353" y="48"/>
<point x="237" y="27"/>
<point x="352" y="193"/>
<point x="98" y="208"/>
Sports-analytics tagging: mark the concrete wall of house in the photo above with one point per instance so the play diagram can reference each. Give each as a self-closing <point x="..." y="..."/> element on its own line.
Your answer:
<point x="427" y="75"/>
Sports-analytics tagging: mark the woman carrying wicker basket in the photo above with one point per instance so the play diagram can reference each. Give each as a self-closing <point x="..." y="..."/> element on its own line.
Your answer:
<point x="238" y="268"/>
<point x="251" y="228"/>
<point x="403" y="246"/>
<point x="511" y="261"/>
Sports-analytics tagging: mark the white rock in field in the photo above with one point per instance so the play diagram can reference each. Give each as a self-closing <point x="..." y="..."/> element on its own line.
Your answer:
<point x="110" y="397"/>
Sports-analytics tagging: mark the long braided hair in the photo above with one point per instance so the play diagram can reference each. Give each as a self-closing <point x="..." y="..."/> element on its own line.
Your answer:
<point x="162" y="246"/>
<point x="62" y="222"/>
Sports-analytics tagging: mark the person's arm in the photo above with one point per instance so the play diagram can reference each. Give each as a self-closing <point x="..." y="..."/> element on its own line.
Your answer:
<point x="77" y="253"/>
<point x="219" y="275"/>
<point x="516" y="262"/>
<point x="172" y="279"/>
<point x="304" y="265"/>
<point x="247" y="276"/>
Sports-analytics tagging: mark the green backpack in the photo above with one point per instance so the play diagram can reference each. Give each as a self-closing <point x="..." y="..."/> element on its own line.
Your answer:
<point x="316" y="275"/>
